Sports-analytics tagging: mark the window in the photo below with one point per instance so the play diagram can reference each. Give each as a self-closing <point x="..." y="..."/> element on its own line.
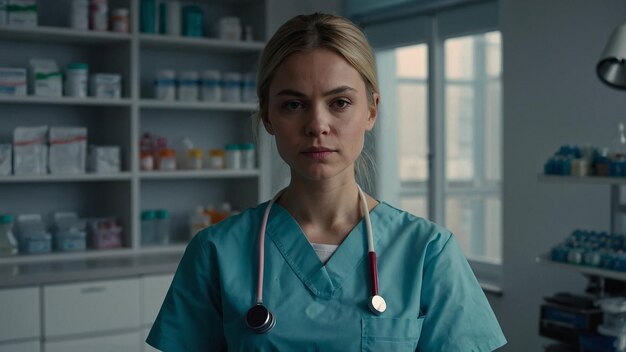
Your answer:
<point x="439" y="139"/>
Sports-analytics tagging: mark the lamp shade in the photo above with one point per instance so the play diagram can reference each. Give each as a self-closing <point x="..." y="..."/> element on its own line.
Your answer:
<point x="612" y="66"/>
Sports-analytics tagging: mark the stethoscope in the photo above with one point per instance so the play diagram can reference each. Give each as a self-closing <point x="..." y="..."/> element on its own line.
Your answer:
<point x="261" y="320"/>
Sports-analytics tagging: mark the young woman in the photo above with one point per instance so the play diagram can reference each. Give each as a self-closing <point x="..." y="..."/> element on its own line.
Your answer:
<point x="340" y="271"/>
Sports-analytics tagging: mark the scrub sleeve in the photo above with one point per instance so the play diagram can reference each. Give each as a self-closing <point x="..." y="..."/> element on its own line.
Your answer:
<point x="457" y="314"/>
<point x="191" y="304"/>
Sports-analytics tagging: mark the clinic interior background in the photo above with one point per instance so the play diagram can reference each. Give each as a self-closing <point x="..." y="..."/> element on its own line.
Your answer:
<point x="550" y="96"/>
<point x="488" y="90"/>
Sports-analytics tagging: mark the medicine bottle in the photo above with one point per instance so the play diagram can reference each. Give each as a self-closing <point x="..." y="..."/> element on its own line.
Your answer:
<point x="165" y="85"/>
<point x="120" y="21"/>
<point x="211" y="90"/>
<point x="248" y="159"/>
<point x="167" y="160"/>
<point x="148" y="225"/>
<point x="194" y="159"/>
<point x="216" y="159"/>
<point x="233" y="157"/>
<point x="162" y="227"/>
<point x="76" y="80"/>
<point x="231" y="88"/>
<point x="188" y="86"/>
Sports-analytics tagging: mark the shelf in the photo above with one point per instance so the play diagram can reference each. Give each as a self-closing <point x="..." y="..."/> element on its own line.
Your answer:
<point x="198" y="174"/>
<point x="90" y="101"/>
<point x="590" y="180"/>
<point x="155" y="41"/>
<point x="121" y="176"/>
<point x="61" y="35"/>
<point x="586" y="270"/>
<point x="182" y="105"/>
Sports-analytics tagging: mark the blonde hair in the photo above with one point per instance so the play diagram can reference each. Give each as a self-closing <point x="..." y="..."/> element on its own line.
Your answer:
<point x="308" y="32"/>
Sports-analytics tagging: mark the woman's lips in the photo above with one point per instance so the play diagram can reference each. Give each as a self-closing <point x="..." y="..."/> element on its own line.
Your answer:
<point x="317" y="153"/>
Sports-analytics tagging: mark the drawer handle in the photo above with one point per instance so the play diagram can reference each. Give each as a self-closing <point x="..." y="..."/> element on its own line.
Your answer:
<point x="93" y="289"/>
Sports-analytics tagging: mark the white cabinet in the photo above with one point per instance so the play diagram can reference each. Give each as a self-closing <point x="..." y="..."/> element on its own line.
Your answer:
<point x="29" y="346"/>
<point x="91" y="307"/>
<point x="136" y="56"/>
<point x="130" y="342"/>
<point x="19" y="313"/>
<point x="154" y="289"/>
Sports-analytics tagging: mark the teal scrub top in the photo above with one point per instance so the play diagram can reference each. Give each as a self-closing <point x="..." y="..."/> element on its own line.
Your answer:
<point x="434" y="302"/>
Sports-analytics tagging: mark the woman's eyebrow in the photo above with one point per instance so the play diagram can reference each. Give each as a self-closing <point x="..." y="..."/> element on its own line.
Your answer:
<point x="296" y="93"/>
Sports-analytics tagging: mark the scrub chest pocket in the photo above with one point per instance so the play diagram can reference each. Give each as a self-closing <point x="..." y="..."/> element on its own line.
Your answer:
<point x="390" y="334"/>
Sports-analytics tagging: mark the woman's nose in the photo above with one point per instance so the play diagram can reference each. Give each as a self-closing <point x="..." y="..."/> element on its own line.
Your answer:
<point x="317" y="123"/>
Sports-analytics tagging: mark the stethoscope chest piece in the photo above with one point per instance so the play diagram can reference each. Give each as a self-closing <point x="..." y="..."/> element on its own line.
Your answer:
<point x="260" y="319"/>
<point x="377" y="304"/>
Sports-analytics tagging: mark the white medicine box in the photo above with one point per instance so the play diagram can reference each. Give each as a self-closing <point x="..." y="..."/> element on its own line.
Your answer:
<point x="13" y="81"/>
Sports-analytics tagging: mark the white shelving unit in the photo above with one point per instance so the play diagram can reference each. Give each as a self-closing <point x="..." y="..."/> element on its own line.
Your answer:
<point x="136" y="56"/>
<point x="617" y="211"/>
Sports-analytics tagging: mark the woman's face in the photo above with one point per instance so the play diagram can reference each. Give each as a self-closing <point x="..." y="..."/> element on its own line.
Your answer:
<point x="318" y="112"/>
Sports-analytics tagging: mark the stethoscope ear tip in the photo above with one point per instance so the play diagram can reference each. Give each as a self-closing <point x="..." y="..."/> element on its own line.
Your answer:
<point x="377" y="304"/>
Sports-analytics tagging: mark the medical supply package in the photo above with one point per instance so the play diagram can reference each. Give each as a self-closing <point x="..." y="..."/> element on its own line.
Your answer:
<point x="68" y="150"/>
<point x="22" y="13"/>
<point x="6" y="160"/>
<point x="104" y="159"/>
<point x="30" y="150"/>
<point x="106" y="85"/>
<point x="47" y="79"/>
<point x="12" y="81"/>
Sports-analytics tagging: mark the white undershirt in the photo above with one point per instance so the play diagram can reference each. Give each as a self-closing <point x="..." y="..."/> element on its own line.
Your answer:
<point x="324" y="251"/>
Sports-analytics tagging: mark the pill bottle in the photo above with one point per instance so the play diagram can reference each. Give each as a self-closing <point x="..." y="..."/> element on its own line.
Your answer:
<point x="249" y="87"/>
<point x="230" y="28"/>
<point x="231" y="87"/>
<point x="211" y="90"/>
<point x="148" y="224"/>
<point x="120" y="21"/>
<point x="233" y="157"/>
<point x="76" y="79"/>
<point x="165" y="85"/>
<point x="188" y="86"/>
<point x="248" y="159"/>
<point x="216" y="159"/>
<point x="80" y="14"/>
<point x="167" y="160"/>
<point x="162" y="227"/>
<point x="99" y="15"/>
<point x="193" y="21"/>
<point x="194" y="159"/>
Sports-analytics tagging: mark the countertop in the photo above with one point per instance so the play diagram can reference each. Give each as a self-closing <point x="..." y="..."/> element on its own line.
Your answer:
<point x="74" y="270"/>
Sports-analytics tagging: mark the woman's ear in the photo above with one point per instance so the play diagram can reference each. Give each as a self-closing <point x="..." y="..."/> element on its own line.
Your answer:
<point x="266" y="121"/>
<point x="372" y="113"/>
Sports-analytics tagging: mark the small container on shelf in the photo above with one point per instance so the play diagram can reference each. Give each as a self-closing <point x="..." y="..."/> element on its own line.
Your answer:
<point x="194" y="159"/>
<point x="13" y="81"/>
<point x="248" y="158"/>
<point x="231" y="87"/>
<point x="211" y="90"/>
<point x="233" y="157"/>
<point x="69" y="233"/>
<point x="22" y="13"/>
<point x="193" y="21"/>
<point x="106" y="85"/>
<point x="8" y="242"/>
<point x="120" y="21"/>
<point x="99" y="15"/>
<point x="104" y="159"/>
<point x="216" y="159"/>
<point x="76" y="79"/>
<point x="148" y="226"/>
<point x="230" y="28"/>
<point x="188" y="86"/>
<point x="162" y="227"/>
<point x="104" y="233"/>
<point x="167" y="160"/>
<point x="33" y="237"/>
<point x="165" y="85"/>
<point x="79" y="16"/>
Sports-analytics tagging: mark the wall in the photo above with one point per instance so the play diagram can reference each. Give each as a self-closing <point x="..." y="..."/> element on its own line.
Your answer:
<point x="551" y="97"/>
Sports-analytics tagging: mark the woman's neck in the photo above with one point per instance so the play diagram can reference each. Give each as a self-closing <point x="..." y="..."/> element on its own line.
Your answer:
<point x="326" y="211"/>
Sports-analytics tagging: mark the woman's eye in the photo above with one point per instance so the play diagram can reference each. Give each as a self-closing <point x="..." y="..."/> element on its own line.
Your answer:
<point x="293" y="105"/>
<point x="341" y="104"/>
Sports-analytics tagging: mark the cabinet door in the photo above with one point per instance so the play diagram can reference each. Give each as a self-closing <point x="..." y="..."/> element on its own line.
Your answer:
<point x="19" y="317"/>
<point x="129" y="342"/>
<point x="154" y="289"/>
<point x="91" y="307"/>
<point x="29" y="346"/>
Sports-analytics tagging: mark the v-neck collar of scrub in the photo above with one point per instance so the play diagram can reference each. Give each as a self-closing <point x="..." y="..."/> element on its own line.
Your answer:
<point x="322" y="280"/>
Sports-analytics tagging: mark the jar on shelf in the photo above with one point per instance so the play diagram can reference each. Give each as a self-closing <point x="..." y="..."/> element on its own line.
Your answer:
<point x="162" y="227"/>
<point x="8" y="242"/>
<point x="76" y="80"/>
<point x="148" y="219"/>
<point x="165" y="85"/>
<point x="98" y="15"/>
<point x="167" y="159"/>
<point x="231" y="88"/>
<point x="120" y="21"/>
<point x="194" y="159"/>
<point x="233" y="157"/>
<point x="216" y="159"/>
<point x="79" y="16"/>
<point x="211" y="90"/>
<point x="188" y="86"/>
<point x="248" y="158"/>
